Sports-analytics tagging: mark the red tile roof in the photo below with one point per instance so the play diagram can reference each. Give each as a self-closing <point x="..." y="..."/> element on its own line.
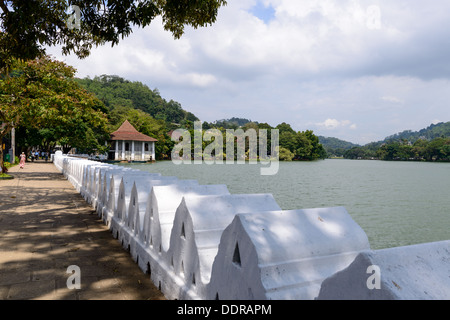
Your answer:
<point x="128" y="132"/>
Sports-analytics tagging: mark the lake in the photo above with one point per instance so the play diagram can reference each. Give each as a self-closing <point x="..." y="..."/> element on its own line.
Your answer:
<point x="396" y="203"/>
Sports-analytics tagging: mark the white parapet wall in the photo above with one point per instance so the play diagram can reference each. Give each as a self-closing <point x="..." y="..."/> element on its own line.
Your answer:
<point x="133" y="207"/>
<point x="157" y="223"/>
<point x="109" y="184"/>
<point x="119" y="214"/>
<point x="198" y="225"/>
<point x="201" y="242"/>
<point x="416" y="272"/>
<point x="284" y="254"/>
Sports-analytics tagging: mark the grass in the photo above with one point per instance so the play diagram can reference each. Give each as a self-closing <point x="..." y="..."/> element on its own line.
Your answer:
<point x="7" y="165"/>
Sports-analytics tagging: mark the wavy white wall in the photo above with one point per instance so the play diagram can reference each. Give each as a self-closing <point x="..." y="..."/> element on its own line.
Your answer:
<point x="201" y="242"/>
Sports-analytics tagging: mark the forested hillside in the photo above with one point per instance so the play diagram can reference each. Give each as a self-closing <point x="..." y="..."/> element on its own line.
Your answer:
<point x="232" y="123"/>
<point x="336" y="147"/>
<point x="144" y="108"/>
<point x="429" y="144"/>
<point x="432" y="132"/>
<point x="115" y="91"/>
<point x="152" y="115"/>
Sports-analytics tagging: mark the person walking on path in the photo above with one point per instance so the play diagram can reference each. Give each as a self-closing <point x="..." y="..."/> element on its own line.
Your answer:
<point x="22" y="160"/>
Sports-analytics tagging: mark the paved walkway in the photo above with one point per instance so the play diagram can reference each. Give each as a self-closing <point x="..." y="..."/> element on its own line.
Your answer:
<point x="45" y="227"/>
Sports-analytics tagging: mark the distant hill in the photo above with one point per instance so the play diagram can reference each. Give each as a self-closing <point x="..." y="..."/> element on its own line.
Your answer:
<point x="231" y="123"/>
<point x="441" y="129"/>
<point x="115" y="91"/>
<point x="336" y="147"/>
<point x="340" y="148"/>
<point x="428" y="144"/>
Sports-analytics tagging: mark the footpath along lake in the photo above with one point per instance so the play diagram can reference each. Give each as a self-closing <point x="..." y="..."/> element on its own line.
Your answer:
<point x="396" y="203"/>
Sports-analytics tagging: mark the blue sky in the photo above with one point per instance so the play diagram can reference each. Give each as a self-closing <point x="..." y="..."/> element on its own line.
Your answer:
<point x="358" y="70"/>
<point x="263" y="11"/>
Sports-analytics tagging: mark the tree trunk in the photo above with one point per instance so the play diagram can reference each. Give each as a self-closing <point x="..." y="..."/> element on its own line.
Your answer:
<point x="1" y="160"/>
<point x="5" y="129"/>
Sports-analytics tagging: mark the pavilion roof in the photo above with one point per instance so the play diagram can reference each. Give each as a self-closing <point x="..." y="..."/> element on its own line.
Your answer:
<point x="129" y="133"/>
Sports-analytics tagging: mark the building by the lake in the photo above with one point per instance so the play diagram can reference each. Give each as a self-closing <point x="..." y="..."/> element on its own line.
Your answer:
<point x="128" y="144"/>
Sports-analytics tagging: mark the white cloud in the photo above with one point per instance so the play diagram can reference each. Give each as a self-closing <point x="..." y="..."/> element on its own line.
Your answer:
<point x="201" y="80"/>
<point x="332" y="124"/>
<point x="436" y="121"/>
<point x="392" y="99"/>
<point x="329" y="124"/>
<point x="313" y="60"/>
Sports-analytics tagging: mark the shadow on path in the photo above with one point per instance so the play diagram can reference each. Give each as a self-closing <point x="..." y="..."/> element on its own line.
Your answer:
<point x="45" y="227"/>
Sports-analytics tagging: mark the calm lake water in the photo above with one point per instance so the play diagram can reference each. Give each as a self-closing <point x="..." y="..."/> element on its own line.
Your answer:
<point x="396" y="203"/>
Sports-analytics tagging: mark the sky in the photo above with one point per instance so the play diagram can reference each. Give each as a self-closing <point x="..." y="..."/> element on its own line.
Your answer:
<point x="357" y="70"/>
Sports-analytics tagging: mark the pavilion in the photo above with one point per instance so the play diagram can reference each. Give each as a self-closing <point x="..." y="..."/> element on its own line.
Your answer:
<point x="128" y="144"/>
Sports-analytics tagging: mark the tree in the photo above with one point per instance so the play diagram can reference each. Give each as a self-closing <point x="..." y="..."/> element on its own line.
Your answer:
<point x="304" y="147"/>
<point x="28" y="26"/>
<point x="434" y="149"/>
<point x="284" y="127"/>
<point x="355" y="153"/>
<point x="287" y="140"/>
<point x="285" y="154"/>
<point x="419" y="149"/>
<point x="115" y="91"/>
<point x="445" y="150"/>
<point x="41" y="93"/>
<point x="318" y="151"/>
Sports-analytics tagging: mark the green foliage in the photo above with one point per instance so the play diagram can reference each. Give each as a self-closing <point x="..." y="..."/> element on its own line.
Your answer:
<point x="144" y="108"/>
<point x="115" y="91"/>
<point x="285" y="154"/>
<point x="355" y="153"/>
<point x="292" y="145"/>
<point x="29" y="26"/>
<point x="304" y="145"/>
<point x="336" y="147"/>
<point x="441" y="129"/>
<point x="145" y="124"/>
<point x="46" y="106"/>
<point x="434" y="150"/>
<point x="233" y="123"/>
<point x="284" y="127"/>
<point x="429" y="144"/>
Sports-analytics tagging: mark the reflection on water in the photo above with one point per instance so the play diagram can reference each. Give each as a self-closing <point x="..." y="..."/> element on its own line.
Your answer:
<point x="396" y="203"/>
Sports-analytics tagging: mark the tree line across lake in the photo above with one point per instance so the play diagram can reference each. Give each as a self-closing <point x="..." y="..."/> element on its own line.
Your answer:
<point x="49" y="106"/>
<point x="437" y="149"/>
<point x="429" y="144"/>
<point x="150" y="114"/>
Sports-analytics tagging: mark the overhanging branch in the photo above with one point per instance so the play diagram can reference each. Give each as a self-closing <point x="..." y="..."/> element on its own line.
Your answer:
<point x="3" y="6"/>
